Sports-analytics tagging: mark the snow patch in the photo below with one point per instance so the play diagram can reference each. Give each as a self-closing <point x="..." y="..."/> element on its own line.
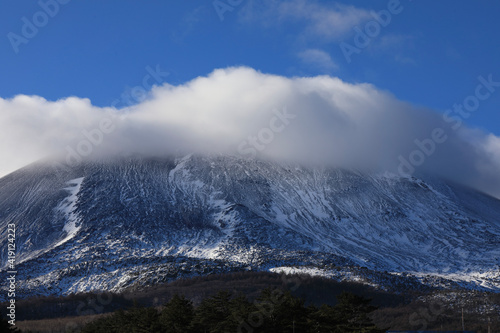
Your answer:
<point x="68" y="207"/>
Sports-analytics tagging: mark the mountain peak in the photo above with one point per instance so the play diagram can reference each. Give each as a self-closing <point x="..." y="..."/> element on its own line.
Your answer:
<point x="109" y="225"/>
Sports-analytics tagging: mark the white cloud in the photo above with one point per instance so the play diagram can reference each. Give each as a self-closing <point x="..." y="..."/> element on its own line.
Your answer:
<point x="331" y="22"/>
<point x="342" y="124"/>
<point x="318" y="58"/>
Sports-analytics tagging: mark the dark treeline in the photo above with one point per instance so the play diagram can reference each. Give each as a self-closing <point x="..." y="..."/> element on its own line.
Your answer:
<point x="439" y="310"/>
<point x="315" y="290"/>
<point x="274" y="311"/>
<point x="44" y="307"/>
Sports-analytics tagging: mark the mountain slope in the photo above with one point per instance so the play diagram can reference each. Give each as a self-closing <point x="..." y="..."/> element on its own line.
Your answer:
<point x="110" y="225"/>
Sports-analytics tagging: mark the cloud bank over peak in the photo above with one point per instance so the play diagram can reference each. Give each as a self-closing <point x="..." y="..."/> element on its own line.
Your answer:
<point x="320" y="120"/>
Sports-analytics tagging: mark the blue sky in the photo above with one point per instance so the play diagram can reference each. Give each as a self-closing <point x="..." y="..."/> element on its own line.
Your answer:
<point x="430" y="54"/>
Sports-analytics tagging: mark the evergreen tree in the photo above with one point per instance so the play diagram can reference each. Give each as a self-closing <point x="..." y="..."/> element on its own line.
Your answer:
<point x="282" y="312"/>
<point x="177" y="315"/>
<point x="240" y="309"/>
<point x="144" y="320"/>
<point x="274" y="311"/>
<point x="351" y="314"/>
<point x="292" y="313"/>
<point x="212" y="313"/>
<point x="323" y="319"/>
<point x="266" y="307"/>
<point x="137" y="320"/>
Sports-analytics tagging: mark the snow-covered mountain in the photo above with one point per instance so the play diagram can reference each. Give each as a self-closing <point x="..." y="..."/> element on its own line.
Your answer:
<point x="135" y="221"/>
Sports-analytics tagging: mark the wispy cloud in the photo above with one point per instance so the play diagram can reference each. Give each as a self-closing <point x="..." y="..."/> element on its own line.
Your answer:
<point x="318" y="58"/>
<point x="397" y="47"/>
<point x="330" y="22"/>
